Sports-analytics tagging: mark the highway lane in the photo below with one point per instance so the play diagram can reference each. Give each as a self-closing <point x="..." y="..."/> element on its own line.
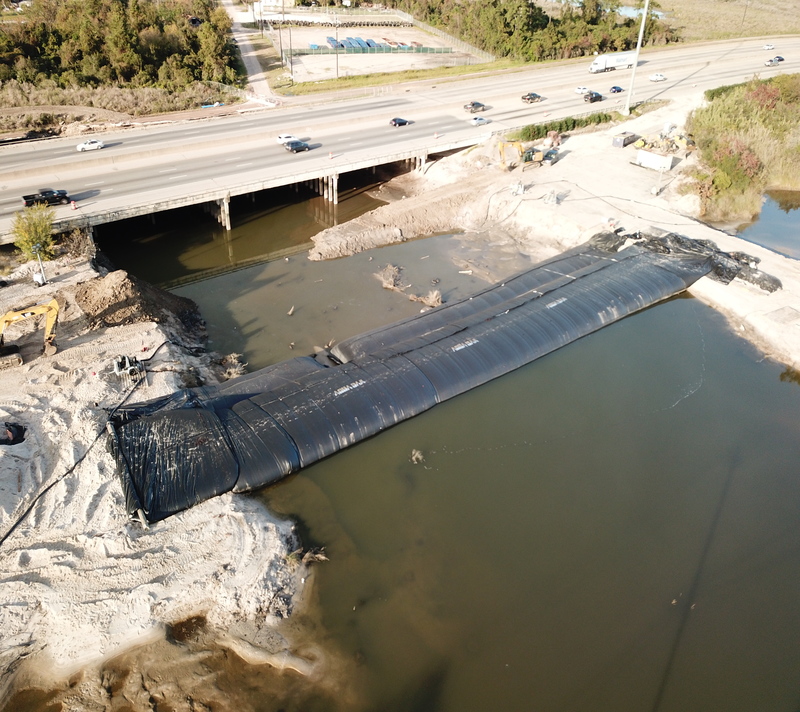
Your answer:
<point x="724" y="62"/>
<point x="162" y="157"/>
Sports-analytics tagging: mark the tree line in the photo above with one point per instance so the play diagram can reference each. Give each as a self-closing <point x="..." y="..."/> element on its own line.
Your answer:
<point x="137" y="43"/>
<point x="521" y="30"/>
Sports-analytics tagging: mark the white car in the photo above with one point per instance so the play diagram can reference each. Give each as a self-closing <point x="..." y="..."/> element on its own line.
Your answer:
<point x="581" y="90"/>
<point x="657" y="78"/>
<point x="478" y="121"/>
<point x="285" y="138"/>
<point x="768" y="46"/>
<point x="91" y="145"/>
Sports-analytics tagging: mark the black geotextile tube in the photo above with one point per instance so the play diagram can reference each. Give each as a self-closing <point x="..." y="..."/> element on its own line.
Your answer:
<point x="250" y="432"/>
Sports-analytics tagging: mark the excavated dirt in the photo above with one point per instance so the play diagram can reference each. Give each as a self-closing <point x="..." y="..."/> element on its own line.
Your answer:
<point x="120" y="299"/>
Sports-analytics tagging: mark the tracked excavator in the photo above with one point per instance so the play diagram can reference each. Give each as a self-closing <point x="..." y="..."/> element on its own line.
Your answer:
<point x="9" y="355"/>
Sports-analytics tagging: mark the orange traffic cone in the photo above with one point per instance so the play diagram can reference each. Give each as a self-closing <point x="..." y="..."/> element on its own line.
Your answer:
<point x="74" y="205"/>
<point x="330" y="155"/>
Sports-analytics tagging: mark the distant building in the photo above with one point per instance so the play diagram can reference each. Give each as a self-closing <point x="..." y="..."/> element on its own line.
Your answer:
<point x="273" y="5"/>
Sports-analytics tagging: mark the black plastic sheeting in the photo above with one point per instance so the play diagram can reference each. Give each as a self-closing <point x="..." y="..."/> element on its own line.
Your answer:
<point x="177" y="451"/>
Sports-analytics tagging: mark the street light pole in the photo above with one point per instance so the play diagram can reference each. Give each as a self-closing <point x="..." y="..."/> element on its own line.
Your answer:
<point x="627" y="110"/>
<point x="291" y="65"/>
<point x="336" y="50"/>
<point x="280" y="32"/>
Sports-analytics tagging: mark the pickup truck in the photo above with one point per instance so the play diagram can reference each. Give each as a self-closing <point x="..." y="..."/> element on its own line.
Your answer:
<point x="45" y="196"/>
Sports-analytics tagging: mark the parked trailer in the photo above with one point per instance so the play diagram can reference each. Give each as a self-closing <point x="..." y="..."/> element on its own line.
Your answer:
<point x="610" y="62"/>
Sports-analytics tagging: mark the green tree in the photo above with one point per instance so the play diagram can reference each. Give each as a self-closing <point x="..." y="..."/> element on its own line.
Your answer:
<point x="120" y="44"/>
<point x="33" y="232"/>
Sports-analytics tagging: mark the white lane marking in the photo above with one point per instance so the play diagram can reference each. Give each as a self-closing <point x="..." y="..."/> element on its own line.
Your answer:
<point x="100" y="182"/>
<point x="176" y="177"/>
<point x="242" y="165"/>
<point x="168" y="170"/>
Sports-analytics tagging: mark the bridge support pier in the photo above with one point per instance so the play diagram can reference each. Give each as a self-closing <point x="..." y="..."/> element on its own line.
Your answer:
<point x="328" y="188"/>
<point x="333" y="189"/>
<point x="222" y="211"/>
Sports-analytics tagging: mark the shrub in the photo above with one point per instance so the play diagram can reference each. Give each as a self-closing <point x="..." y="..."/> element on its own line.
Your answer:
<point x="537" y="131"/>
<point x="33" y="232"/>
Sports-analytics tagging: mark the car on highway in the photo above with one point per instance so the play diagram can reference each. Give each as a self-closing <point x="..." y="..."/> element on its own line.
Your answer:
<point x="615" y="90"/>
<point x="285" y="138"/>
<point x="478" y="121"/>
<point x="92" y="144"/>
<point x="657" y="77"/>
<point x="46" y="196"/>
<point x="582" y="90"/>
<point x="778" y="58"/>
<point x="592" y="96"/>
<point x="531" y="98"/>
<point x="771" y="63"/>
<point x="474" y="106"/>
<point x="399" y="122"/>
<point x="296" y="146"/>
<point x="768" y="46"/>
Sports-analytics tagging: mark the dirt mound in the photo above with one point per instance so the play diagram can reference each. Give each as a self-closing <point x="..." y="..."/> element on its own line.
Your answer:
<point x="120" y="299"/>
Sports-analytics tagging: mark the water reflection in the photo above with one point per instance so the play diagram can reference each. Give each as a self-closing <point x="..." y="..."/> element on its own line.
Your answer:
<point x="778" y="225"/>
<point x="187" y="244"/>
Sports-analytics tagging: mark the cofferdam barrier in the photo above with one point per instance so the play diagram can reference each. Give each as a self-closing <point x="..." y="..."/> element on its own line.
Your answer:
<point x="177" y="451"/>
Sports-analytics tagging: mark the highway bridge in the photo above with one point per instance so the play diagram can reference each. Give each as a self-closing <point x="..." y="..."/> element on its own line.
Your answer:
<point x="161" y="166"/>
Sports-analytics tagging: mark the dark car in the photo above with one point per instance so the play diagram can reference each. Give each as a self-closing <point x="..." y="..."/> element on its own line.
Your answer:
<point x="474" y="106"/>
<point x="46" y="196"/>
<point x="778" y="58"/>
<point x="592" y="97"/>
<point x="531" y="98"/>
<point x="550" y="157"/>
<point x="296" y="146"/>
<point x="615" y="90"/>
<point x="399" y="122"/>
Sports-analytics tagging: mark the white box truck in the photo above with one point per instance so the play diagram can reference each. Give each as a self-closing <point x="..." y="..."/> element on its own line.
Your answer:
<point x="609" y="62"/>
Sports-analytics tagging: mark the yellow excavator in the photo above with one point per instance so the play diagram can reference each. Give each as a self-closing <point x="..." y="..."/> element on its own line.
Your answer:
<point x="514" y="144"/>
<point x="9" y="355"/>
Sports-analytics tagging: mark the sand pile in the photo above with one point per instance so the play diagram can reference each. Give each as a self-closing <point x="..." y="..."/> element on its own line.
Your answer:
<point x="79" y="581"/>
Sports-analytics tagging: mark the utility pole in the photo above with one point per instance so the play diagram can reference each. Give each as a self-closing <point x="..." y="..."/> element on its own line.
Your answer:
<point x="280" y="31"/>
<point x="291" y="57"/>
<point x="336" y="51"/>
<point x="627" y="110"/>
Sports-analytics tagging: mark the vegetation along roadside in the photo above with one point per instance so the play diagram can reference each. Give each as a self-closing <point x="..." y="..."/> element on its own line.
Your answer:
<point x="748" y="141"/>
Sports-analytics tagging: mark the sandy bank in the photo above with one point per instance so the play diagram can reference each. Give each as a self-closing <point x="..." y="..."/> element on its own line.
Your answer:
<point x="80" y="583"/>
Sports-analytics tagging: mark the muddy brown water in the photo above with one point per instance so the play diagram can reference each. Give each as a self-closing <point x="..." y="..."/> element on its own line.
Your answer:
<point x="613" y="527"/>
